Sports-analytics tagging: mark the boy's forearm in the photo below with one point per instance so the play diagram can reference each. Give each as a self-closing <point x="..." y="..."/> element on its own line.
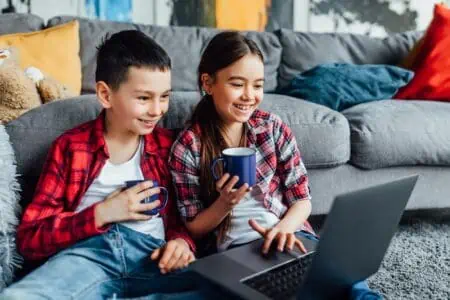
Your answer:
<point x="296" y="216"/>
<point x="208" y="220"/>
<point x="38" y="239"/>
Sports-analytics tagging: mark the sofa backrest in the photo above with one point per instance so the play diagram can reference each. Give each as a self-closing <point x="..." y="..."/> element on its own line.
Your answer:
<point x="15" y="23"/>
<point x="183" y="44"/>
<point x="304" y="50"/>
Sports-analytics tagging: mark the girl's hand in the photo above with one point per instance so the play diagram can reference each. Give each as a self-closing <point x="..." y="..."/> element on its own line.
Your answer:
<point x="175" y="254"/>
<point x="278" y="233"/>
<point x="229" y="196"/>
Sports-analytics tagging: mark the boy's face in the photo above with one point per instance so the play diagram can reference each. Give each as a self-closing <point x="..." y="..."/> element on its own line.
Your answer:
<point x="140" y="101"/>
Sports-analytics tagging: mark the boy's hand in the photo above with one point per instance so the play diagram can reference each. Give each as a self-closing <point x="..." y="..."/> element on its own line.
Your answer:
<point x="125" y="205"/>
<point x="175" y="254"/>
<point x="228" y="196"/>
<point x="278" y="233"/>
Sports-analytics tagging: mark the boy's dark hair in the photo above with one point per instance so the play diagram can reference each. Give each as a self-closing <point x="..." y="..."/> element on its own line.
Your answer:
<point x="125" y="49"/>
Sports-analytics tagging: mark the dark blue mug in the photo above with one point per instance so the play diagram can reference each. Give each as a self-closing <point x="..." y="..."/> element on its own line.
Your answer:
<point x="154" y="211"/>
<point x="239" y="162"/>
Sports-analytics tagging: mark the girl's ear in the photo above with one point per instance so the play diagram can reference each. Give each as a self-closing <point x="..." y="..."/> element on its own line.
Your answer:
<point x="206" y="83"/>
<point x="103" y="94"/>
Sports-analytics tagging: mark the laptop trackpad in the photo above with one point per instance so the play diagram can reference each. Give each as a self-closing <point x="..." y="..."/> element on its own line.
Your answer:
<point x="250" y="255"/>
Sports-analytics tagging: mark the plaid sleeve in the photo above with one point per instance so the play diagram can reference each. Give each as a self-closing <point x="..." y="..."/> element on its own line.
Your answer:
<point x="290" y="168"/>
<point x="46" y="227"/>
<point x="184" y="166"/>
<point x="175" y="227"/>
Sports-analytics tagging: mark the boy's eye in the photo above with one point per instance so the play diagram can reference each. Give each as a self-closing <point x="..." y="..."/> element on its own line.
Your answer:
<point x="258" y="86"/>
<point x="236" y="84"/>
<point x="144" y="98"/>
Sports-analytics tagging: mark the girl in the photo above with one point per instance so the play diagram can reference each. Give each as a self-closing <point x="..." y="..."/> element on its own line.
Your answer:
<point x="231" y="74"/>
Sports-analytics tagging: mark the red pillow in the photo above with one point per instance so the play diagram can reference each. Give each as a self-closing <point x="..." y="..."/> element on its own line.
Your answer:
<point x="432" y="64"/>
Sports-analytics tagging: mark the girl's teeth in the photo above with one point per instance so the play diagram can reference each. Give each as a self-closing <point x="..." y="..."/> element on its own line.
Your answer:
<point x="242" y="107"/>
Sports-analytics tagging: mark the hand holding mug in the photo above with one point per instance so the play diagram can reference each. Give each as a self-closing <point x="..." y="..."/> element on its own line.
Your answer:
<point x="126" y="205"/>
<point x="152" y="198"/>
<point x="229" y="196"/>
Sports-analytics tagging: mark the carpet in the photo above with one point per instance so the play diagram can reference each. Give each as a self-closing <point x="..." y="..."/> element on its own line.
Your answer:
<point x="417" y="263"/>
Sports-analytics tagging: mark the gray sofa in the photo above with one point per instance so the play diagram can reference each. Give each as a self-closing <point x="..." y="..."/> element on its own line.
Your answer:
<point x="364" y="145"/>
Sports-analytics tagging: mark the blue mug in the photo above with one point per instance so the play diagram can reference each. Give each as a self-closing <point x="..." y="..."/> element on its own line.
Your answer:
<point x="239" y="162"/>
<point x="154" y="211"/>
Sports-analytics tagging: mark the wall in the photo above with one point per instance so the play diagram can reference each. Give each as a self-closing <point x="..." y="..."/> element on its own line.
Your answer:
<point x="304" y="19"/>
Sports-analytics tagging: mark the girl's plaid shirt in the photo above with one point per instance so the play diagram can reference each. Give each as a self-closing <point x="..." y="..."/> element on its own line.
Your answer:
<point x="280" y="172"/>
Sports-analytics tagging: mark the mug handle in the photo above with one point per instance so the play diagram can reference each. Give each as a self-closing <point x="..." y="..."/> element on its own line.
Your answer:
<point x="166" y="197"/>
<point x="213" y="166"/>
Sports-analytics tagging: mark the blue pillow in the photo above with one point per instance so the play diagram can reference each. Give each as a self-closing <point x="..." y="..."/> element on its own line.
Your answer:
<point x="340" y="86"/>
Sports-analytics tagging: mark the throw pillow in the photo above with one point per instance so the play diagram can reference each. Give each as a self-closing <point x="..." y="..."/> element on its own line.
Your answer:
<point x="340" y="86"/>
<point x="55" y="51"/>
<point x="431" y="64"/>
<point x="10" y="260"/>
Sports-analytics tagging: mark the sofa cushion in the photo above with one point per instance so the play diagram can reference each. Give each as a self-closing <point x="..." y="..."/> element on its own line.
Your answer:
<point x="183" y="44"/>
<point x="15" y="23"/>
<point x="394" y="133"/>
<point x="32" y="133"/>
<point x="302" y="51"/>
<point x="322" y="134"/>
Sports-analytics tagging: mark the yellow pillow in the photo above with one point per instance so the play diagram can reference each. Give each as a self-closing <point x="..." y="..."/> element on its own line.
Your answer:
<point x="55" y="51"/>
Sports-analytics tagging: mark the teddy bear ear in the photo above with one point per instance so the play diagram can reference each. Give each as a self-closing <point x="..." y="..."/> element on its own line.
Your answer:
<point x="9" y="54"/>
<point x="34" y="74"/>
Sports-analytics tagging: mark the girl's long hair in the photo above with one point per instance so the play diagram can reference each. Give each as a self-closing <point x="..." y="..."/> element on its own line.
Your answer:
<point x="223" y="50"/>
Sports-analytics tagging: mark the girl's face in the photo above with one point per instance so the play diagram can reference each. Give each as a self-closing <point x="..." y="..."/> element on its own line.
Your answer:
<point x="237" y="90"/>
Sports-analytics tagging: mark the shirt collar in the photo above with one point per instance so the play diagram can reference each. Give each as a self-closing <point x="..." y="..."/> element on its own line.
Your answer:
<point x="98" y="139"/>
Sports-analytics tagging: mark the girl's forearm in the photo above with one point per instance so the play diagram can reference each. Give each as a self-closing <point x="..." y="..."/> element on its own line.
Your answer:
<point x="208" y="220"/>
<point x="296" y="215"/>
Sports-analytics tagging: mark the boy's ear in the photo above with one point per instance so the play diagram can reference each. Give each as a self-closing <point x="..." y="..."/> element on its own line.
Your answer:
<point x="103" y="93"/>
<point x="207" y="81"/>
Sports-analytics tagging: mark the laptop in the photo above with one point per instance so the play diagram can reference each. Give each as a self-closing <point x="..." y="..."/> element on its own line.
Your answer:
<point x="354" y="240"/>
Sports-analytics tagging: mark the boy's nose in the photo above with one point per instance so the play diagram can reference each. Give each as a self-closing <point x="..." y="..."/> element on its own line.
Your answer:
<point x="155" y="108"/>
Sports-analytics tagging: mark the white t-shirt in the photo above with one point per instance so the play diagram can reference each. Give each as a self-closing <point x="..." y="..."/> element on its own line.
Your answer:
<point x="113" y="177"/>
<point x="250" y="207"/>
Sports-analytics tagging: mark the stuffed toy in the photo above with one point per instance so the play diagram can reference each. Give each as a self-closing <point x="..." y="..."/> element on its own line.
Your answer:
<point x="22" y="90"/>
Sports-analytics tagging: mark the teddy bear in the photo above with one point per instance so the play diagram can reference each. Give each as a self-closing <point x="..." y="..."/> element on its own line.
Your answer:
<point x="22" y="90"/>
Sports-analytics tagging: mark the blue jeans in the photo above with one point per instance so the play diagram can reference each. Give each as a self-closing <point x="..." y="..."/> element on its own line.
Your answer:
<point x="114" y="264"/>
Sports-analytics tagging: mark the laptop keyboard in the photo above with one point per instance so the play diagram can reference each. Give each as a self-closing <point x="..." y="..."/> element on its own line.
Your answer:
<point x="282" y="281"/>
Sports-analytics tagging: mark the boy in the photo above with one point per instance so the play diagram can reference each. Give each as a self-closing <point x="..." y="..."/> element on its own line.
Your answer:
<point x="96" y="231"/>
